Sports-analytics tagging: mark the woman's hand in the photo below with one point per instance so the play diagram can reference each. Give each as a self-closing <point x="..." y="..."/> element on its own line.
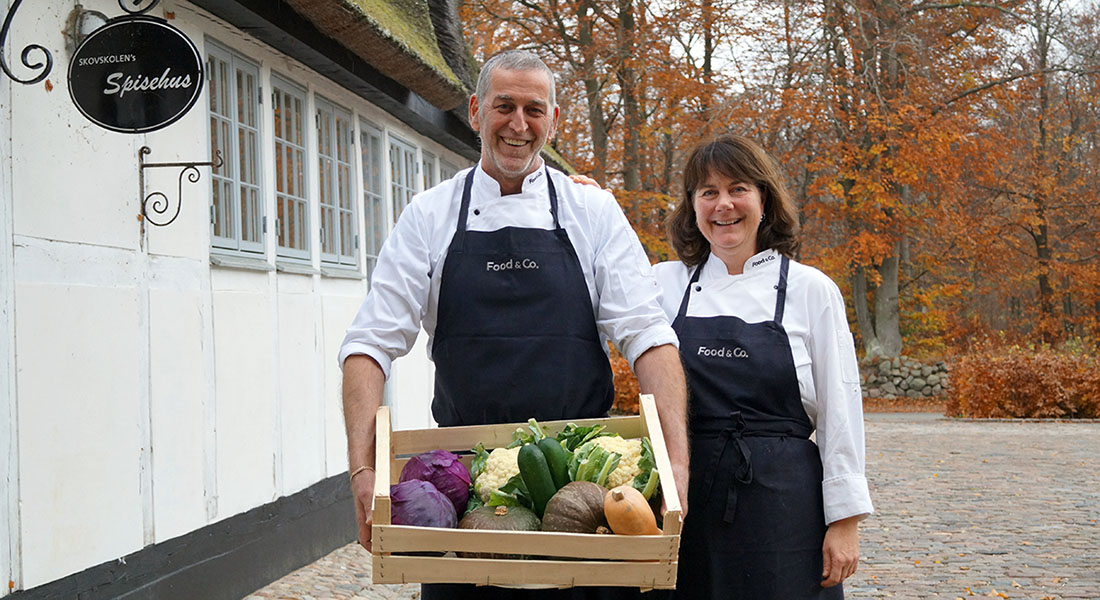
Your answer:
<point x="584" y="180"/>
<point x="840" y="552"/>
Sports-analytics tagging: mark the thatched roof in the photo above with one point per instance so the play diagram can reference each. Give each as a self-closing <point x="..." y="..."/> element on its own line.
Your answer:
<point x="417" y="43"/>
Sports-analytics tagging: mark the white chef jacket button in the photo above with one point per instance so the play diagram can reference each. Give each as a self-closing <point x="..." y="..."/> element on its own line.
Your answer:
<point x="698" y="288"/>
<point x="477" y="212"/>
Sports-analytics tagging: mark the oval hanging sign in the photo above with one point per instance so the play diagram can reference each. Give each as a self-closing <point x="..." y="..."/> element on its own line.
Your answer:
<point x="135" y="74"/>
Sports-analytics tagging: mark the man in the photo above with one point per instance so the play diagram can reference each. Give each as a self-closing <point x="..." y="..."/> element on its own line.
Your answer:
<point x="519" y="277"/>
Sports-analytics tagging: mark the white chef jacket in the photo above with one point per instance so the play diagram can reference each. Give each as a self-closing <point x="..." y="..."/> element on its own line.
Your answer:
<point x="404" y="289"/>
<point x="823" y="349"/>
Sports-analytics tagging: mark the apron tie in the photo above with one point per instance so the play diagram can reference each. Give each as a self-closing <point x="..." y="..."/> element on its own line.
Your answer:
<point x="733" y="436"/>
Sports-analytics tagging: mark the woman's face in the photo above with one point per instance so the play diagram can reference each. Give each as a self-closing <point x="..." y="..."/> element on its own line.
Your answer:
<point x="728" y="214"/>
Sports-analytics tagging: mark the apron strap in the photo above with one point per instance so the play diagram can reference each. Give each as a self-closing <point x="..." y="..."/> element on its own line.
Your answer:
<point x="682" y="312"/>
<point x="460" y="231"/>
<point x="732" y="438"/>
<point x="553" y="198"/>
<point x="781" y="287"/>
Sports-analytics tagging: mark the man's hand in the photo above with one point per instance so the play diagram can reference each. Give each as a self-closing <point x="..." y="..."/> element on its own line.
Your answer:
<point x="840" y="552"/>
<point x="363" y="383"/>
<point x="362" y="491"/>
<point x="660" y="373"/>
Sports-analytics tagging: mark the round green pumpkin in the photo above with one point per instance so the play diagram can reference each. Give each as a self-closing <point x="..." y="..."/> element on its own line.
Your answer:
<point x="576" y="508"/>
<point x="499" y="518"/>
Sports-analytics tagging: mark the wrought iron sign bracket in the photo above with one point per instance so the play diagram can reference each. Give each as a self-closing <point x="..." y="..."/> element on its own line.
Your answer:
<point x="155" y="206"/>
<point x="130" y="7"/>
<point x="25" y="56"/>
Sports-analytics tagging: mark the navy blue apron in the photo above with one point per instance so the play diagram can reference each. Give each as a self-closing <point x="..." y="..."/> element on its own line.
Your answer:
<point x="756" y="524"/>
<point x="516" y="333"/>
<point x="516" y="338"/>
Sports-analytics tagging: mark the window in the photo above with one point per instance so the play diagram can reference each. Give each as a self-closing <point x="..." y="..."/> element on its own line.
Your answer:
<point x="446" y="170"/>
<point x="403" y="167"/>
<point x="339" y="233"/>
<point x="291" y="204"/>
<point x="428" y="160"/>
<point x="236" y="211"/>
<point x="374" y="202"/>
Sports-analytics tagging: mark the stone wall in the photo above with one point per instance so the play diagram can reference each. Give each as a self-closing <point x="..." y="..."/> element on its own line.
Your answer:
<point x="903" y="377"/>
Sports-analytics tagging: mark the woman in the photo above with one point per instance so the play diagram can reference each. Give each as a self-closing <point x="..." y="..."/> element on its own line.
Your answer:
<point x="769" y="359"/>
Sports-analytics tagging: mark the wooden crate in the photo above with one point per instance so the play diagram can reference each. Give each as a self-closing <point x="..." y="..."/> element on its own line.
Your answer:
<point x="565" y="559"/>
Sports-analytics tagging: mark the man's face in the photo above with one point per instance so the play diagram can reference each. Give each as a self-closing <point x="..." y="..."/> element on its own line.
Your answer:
<point x="514" y="121"/>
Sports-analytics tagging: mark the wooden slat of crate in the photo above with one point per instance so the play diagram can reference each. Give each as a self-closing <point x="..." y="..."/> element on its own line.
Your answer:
<point x="524" y="573"/>
<point x="383" y="450"/>
<point x="398" y="538"/>
<point x="462" y="439"/>
<point x="651" y="427"/>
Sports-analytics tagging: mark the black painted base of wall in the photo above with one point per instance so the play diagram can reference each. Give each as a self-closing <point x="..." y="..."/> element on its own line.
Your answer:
<point x="225" y="560"/>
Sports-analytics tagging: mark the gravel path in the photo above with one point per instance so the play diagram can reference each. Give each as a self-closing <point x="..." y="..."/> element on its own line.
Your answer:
<point x="963" y="509"/>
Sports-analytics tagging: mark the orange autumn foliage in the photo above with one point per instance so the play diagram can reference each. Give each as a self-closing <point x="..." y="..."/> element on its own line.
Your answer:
<point x="944" y="156"/>
<point x="1025" y="383"/>
<point x="626" y="385"/>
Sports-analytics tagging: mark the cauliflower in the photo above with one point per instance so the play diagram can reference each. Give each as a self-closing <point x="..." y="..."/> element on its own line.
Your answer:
<point x="501" y="466"/>
<point x="630" y="451"/>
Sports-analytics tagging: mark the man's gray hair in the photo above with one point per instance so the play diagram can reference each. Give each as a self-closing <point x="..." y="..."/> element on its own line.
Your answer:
<point x="513" y="60"/>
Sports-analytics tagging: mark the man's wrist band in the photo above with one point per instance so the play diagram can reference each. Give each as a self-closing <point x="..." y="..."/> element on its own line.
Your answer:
<point x="360" y="470"/>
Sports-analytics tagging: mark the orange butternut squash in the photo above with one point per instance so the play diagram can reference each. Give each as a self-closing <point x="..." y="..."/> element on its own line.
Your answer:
<point x="628" y="513"/>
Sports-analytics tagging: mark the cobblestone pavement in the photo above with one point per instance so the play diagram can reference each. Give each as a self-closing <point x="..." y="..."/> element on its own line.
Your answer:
<point x="963" y="509"/>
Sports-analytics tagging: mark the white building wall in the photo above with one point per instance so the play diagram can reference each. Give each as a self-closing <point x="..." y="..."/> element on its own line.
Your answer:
<point x="9" y="432"/>
<point x="148" y="392"/>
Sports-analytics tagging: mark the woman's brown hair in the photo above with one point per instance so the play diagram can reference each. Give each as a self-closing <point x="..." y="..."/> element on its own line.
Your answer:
<point x="743" y="160"/>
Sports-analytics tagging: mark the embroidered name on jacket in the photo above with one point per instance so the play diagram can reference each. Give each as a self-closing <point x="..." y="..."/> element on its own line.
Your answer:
<point x="757" y="263"/>
<point x="723" y="352"/>
<point x="512" y="264"/>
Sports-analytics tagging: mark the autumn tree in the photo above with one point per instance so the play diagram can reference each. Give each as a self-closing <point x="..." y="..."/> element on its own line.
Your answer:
<point x="1044" y="182"/>
<point x="943" y="154"/>
<point x="623" y="91"/>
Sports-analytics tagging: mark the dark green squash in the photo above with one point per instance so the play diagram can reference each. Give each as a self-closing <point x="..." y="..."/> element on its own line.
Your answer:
<point x="576" y="508"/>
<point x="499" y="518"/>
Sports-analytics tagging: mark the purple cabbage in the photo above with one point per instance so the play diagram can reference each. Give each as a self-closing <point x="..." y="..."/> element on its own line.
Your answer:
<point x="443" y="470"/>
<point x="416" y="502"/>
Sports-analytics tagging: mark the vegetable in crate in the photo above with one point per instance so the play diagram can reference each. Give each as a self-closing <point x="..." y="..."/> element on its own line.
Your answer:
<point x="535" y="473"/>
<point x="557" y="459"/>
<point x="419" y="503"/>
<point x="591" y="462"/>
<point x="500" y="466"/>
<point x="628" y="513"/>
<point x="498" y="518"/>
<point x="636" y="464"/>
<point x="576" y="508"/>
<point x="443" y="470"/>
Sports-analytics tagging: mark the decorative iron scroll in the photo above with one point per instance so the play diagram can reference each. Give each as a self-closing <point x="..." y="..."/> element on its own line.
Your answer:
<point x="137" y="3"/>
<point x="130" y="7"/>
<point x="25" y="56"/>
<point x="156" y="205"/>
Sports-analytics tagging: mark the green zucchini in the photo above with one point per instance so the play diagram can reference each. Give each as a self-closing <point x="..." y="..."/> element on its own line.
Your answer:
<point x="557" y="459"/>
<point x="536" y="476"/>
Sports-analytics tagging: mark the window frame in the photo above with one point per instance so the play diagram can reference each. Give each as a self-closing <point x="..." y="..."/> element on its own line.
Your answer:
<point x="446" y="170"/>
<point x="233" y="156"/>
<point x="376" y="220"/>
<point x="403" y="184"/>
<point x="336" y="190"/>
<point x="430" y="173"/>
<point x="300" y="200"/>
